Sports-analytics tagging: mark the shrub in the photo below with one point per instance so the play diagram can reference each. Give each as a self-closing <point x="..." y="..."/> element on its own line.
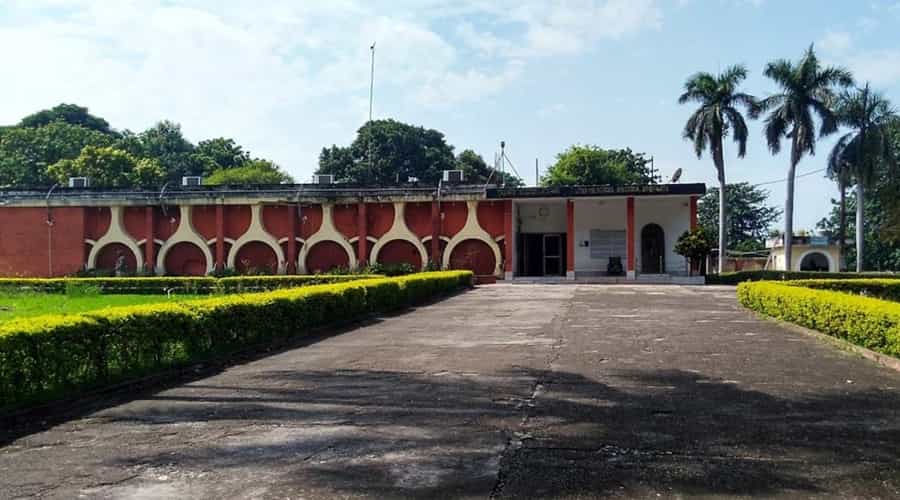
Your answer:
<point x="885" y="289"/>
<point x="864" y="321"/>
<point x="54" y="356"/>
<point x="764" y="275"/>
<point x="163" y="285"/>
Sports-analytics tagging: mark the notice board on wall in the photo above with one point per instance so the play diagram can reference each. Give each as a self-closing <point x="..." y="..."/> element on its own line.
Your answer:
<point x="606" y="244"/>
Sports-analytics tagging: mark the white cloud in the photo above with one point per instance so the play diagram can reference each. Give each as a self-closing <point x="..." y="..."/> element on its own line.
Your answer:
<point x="836" y="42"/>
<point x="881" y="67"/>
<point x="284" y="77"/>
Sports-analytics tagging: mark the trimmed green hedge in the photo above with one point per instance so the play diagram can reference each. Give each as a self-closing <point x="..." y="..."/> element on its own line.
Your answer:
<point x="885" y="289"/>
<point x="760" y="275"/>
<point x="864" y="321"/>
<point x="48" y="357"/>
<point x="193" y="285"/>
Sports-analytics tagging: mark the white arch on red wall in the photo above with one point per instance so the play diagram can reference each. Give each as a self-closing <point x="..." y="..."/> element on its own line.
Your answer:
<point x="399" y="231"/>
<point x="256" y="232"/>
<point x="473" y="231"/>
<point x="186" y="233"/>
<point x="114" y="234"/>
<point x="327" y="232"/>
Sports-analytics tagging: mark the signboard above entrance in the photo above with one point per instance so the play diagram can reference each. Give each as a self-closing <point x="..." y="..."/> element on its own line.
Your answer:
<point x="593" y="191"/>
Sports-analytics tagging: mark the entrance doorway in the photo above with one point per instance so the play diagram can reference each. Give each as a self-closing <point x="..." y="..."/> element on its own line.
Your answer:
<point x="542" y="254"/>
<point x="653" y="245"/>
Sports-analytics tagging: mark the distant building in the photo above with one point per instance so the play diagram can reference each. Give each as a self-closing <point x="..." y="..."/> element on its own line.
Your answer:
<point x="809" y="253"/>
<point x="569" y="232"/>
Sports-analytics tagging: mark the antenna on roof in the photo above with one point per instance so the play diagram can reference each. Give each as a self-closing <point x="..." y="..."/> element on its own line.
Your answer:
<point x="676" y="176"/>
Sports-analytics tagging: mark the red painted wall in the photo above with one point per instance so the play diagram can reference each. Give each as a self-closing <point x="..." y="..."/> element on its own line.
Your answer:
<point x="475" y="255"/>
<point x="418" y="218"/>
<point x="27" y="248"/>
<point x="166" y="222"/>
<point x="23" y="235"/>
<point x="490" y="217"/>
<point x="185" y="259"/>
<point x="204" y="219"/>
<point x="109" y="255"/>
<point x="96" y="221"/>
<point x="454" y="217"/>
<point x="310" y="220"/>
<point x="135" y="221"/>
<point x="256" y="255"/>
<point x="275" y="220"/>
<point x="237" y="220"/>
<point x="325" y="256"/>
<point x="400" y="252"/>
<point x="345" y="219"/>
<point x="380" y="218"/>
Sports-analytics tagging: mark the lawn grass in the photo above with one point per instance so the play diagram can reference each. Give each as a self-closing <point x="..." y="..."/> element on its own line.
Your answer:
<point x="22" y="305"/>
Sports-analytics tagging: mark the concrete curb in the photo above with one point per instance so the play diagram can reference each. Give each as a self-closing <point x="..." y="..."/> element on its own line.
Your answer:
<point x="876" y="357"/>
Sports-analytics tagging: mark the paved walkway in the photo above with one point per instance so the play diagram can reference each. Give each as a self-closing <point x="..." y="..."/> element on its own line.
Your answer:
<point x="506" y="391"/>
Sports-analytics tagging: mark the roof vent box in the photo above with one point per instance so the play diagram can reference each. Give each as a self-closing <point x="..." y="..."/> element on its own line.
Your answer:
<point x="192" y="180"/>
<point x="323" y="179"/>
<point x="79" y="182"/>
<point x="453" y="176"/>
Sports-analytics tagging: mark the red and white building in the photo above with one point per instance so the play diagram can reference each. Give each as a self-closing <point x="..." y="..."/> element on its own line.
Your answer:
<point x="565" y="232"/>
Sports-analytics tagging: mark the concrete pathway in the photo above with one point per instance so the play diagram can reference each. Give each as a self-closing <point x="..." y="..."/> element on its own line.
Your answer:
<point x="507" y="391"/>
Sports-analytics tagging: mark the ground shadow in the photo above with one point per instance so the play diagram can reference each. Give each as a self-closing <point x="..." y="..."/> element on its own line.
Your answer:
<point x="522" y="433"/>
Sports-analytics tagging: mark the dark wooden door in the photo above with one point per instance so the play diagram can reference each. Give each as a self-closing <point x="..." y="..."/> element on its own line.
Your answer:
<point x="653" y="249"/>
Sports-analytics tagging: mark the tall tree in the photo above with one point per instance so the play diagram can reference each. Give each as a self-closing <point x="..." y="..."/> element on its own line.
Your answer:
<point x="108" y="167"/>
<point x="250" y="172"/>
<point x="882" y="251"/>
<point x="865" y="150"/>
<point x="749" y="219"/>
<point x="719" y="114"/>
<point x="27" y="152"/>
<point x="807" y="89"/>
<point x="220" y="153"/>
<point x="840" y="172"/>
<point x="388" y="152"/>
<point x="593" y="165"/>
<point x="72" y="114"/>
<point x="165" y="143"/>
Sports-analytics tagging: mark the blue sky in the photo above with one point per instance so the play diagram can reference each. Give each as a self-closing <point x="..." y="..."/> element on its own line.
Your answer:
<point x="285" y="78"/>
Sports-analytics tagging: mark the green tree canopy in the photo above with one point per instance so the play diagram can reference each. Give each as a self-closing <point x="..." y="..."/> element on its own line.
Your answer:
<point x="220" y="153"/>
<point x="583" y="165"/>
<point x="695" y="245"/>
<point x="108" y="167"/>
<point x="882" y="252"/>
<point x="72" y="114"/>
<point x="749" y="215"/>
<point x="250" y="172"/>
<point x="388" y="152"/>
<point x="27" y="152"/>
<point x="165" y="143"/>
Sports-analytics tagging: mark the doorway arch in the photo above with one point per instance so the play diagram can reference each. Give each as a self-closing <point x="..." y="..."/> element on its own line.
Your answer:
<point x="815" y="261"/>
<point x="653" y="249"/>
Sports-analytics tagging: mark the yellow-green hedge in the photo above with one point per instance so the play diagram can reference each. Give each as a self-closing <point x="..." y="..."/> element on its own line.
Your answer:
<point x="48" y="357"/>
<point x="864" y="321"/>
<point x="887" y="289"/>
<point x="184" y="284"/>
<point x="733" y="278"/>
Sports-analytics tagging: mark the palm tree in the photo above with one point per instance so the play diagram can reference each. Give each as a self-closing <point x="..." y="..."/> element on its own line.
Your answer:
<point x="865" y="148"/>
<point x="839" y="170"/>
<point x="717" y="116"/>
<point x="807" y="89"/>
